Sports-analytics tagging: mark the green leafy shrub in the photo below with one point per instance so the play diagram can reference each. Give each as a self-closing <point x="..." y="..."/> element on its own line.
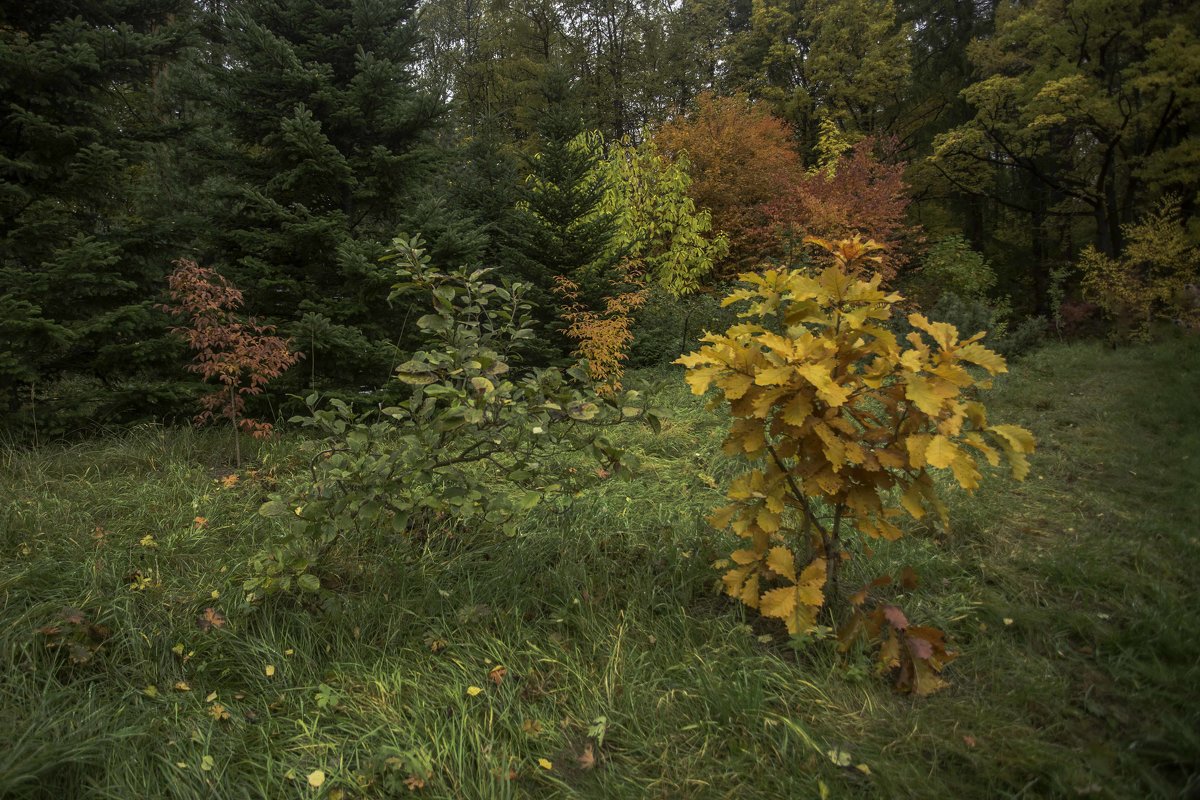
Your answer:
<point x="954" y="285"/>
<point x="952" y="266"/>
<point x="475" y="445"/>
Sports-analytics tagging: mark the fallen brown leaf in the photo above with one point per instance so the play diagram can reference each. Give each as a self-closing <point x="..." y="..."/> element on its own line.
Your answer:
<point x="587" y="759"/>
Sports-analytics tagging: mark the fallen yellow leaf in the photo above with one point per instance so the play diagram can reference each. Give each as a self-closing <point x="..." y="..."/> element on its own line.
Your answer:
<point x="316" y="778"/>
<point x="269" y="670"/>
<point x="473" y="690"/>
<point x="839" y="757"/>
<point x="545" y="763"/>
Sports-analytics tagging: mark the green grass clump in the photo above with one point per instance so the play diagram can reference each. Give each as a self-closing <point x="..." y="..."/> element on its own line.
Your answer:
<point x="1070" y="596"/>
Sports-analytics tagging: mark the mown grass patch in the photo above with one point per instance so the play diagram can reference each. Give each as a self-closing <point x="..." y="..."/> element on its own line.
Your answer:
<point x="1070" y="596"/>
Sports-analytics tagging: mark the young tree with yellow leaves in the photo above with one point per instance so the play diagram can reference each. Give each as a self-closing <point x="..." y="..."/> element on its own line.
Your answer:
<point x="837" y="417"/>
<point x="1155" y="277"/>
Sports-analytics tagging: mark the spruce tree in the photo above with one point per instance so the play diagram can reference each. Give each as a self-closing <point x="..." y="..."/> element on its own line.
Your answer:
<point x="485" y="183"/>
<point x="324" y="145"/>
<point x="560" y="228"/>
<point x="84" y="244"/>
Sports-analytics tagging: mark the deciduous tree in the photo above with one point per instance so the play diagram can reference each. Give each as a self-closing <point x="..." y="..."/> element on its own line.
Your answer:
<point x="240" y="355"/>
<point x="741" y="160"/>
<point x="842" y="426"/>
<point x="857" y="192"/>
<point x="1091" y="104"/>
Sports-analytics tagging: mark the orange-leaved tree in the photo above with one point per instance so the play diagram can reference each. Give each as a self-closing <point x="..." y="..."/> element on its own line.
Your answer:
<point x="741" y="158"/>
<point x="241" y="355"/>
<point x="843" y="426"/>
<point x="602" y="337"/>
<point x="857" y="191"/>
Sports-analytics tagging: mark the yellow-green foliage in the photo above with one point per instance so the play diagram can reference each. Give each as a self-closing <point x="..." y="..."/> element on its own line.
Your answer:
<point x="658" y="224"/>
<point x="1154" y="278"/>
<point x="837" y="417"/>
<point x="832" y="144"/>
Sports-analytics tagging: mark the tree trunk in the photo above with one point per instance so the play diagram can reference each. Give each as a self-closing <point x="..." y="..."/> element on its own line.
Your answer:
<point x="237" y="442"/>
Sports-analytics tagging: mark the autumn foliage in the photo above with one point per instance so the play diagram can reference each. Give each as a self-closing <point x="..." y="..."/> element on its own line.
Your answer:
<point x="742" y="159"/>
<point x="836" y="417"/>
<point x="239" y="355"/>
<point x="1156" y="277"/>
<point x="602" y="337"/>
<point x="746" y="170"/>
<point x="859" y="192"/>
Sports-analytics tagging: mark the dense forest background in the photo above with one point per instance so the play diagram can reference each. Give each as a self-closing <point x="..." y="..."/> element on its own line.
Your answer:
<point x="599" y="145"/>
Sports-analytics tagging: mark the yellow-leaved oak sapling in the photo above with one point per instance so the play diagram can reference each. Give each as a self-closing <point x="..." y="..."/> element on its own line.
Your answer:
<point x="842" y="426"/>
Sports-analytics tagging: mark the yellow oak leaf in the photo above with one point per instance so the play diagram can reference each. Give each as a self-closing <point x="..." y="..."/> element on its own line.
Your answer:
<point x="774" y="376"/>
<point x="797" y="410"/>
<point x="1017" y="437"/>
<point x="779" y="603"/>
<point x="700" y="379"/>
<point x="768" y="520"/>
<point x="927" y="393"/>
<point x="945" y="334"/>
<point x="742" y="583"/>
<point x="734" y="385"/>
<point x="941" y="452"/>
<point x="780" y="345"/>
<point x="1016" y="442"/>
<point x="812" y="580"/>
<point x="917" y="444"/>
<point x="979" y="355"/>
<point x="721" y="517"/>
<point x="783" y="562"/>
<point x="911" y="501"/>
<point x="821" y="377"/>
<point x="977" y="441"/>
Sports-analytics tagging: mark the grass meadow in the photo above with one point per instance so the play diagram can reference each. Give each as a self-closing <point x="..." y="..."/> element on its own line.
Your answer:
<point x="1072" y="598"/>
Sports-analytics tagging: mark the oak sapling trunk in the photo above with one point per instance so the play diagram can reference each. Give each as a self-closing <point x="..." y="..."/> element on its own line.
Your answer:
<point x="829" y="406"/>
<point x="241" y="355"/>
